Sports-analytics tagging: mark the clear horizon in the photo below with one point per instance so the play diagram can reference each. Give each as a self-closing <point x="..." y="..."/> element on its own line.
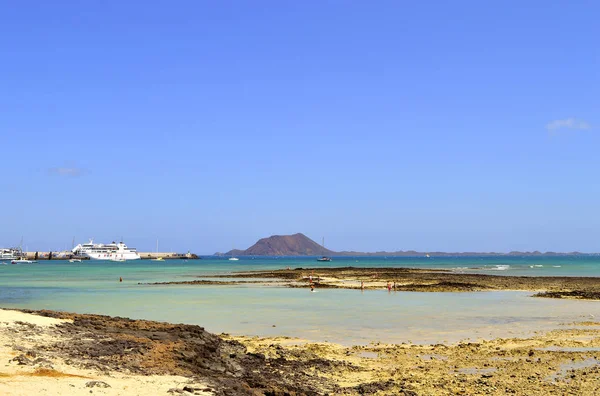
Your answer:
<point x="66" y="247"/>
<point x="380" y="126"/>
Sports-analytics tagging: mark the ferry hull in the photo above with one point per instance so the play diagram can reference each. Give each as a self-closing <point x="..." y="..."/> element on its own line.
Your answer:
<point x="103" y="256"/>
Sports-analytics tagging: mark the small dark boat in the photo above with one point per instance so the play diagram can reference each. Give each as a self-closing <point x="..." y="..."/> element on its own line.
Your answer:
<point x="324" y="258"/>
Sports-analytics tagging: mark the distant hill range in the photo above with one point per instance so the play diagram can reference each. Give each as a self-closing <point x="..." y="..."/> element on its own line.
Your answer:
<point x="301" y="245"/>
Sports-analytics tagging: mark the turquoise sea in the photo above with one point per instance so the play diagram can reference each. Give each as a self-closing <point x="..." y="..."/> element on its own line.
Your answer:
<point x="345" y="316"/>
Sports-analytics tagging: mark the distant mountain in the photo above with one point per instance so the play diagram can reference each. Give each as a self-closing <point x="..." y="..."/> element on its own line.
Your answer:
<point x="301" y="245"/>
<point x="284" y="245"/>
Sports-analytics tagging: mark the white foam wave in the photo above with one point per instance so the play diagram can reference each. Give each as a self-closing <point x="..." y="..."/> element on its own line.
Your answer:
<point x="500" y="267"/>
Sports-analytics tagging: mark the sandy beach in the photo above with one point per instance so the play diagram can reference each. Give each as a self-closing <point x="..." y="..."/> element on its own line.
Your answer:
<point x="33" y="347"/>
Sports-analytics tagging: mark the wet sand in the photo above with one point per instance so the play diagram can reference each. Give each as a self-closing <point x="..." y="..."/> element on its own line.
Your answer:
<point x="408" y="279"/>
<point x="48" y="352"/>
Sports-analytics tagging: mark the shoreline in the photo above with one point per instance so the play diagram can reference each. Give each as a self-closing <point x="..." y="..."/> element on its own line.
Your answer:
<point x="60" y="352"/>
<point x="404" y="279"/>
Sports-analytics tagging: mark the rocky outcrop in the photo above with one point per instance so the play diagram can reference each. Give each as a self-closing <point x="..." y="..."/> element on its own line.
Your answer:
<point x="284" y="245"/>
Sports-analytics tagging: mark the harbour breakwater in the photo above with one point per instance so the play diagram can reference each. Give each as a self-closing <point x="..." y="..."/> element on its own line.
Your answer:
<point x="143" y="255"/>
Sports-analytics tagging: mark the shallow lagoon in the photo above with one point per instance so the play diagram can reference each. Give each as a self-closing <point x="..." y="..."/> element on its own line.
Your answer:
<point x="337" y="315"/>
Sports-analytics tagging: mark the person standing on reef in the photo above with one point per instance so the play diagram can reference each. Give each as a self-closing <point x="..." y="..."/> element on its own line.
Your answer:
<point x="362" y="285"/>
<point x="394" y="285"/>
<point x="389" y="287"/>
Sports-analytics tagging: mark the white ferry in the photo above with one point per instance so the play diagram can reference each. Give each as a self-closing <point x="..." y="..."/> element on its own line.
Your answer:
<point x="10" y="254"/>
<point x="111" y="251"/>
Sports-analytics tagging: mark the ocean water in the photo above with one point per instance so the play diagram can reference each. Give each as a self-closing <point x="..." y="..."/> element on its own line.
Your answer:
<point x="501" y="265"/>
<point x="344" y="316"/>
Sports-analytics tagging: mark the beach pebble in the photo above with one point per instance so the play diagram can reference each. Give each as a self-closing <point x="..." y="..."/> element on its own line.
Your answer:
<point x="22" y="360"/>
<point x="42" y="363"/>
<point x="97" y="384"/>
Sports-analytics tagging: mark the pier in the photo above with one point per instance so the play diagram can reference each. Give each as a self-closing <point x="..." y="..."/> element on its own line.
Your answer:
<point x="167" y="256"/>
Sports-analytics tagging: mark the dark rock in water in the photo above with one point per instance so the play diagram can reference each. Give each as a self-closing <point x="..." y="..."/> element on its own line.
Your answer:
<point x="579" y="294"/>
<point x="97" y="384"/>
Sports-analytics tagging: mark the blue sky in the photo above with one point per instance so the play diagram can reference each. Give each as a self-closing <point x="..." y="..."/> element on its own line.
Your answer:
<point x="383" y="125"/>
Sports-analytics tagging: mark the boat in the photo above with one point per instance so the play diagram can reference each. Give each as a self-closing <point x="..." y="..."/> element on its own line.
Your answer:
<point x="9" y="254"/>
<point x="233" y="258"/>
<point x="22" y="261"/>
<point x="75" y="261"/>
<point x="158" y="258"/>
<point x="324" y="258"/>
<point x="110" y="251"/>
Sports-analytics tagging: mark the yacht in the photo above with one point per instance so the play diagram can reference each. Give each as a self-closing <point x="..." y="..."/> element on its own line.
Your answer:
<point x="110" y="251"/>
<point x="158" y="258"/>
<point x="9" y="254"/>
<point x="23" y="261"/>
<point x="324" y="258"/>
